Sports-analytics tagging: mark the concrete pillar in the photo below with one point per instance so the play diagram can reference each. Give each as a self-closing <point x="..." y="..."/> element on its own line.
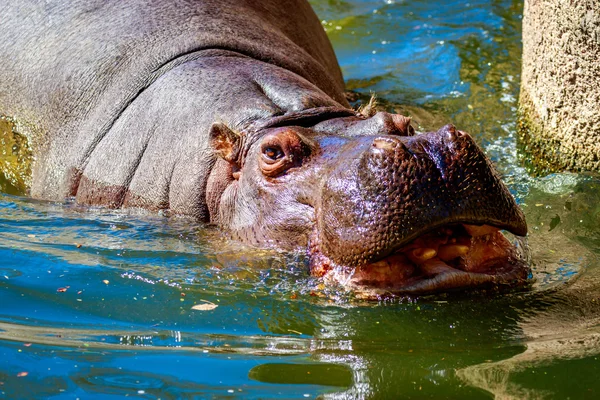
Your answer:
<point x="559" y="119"/>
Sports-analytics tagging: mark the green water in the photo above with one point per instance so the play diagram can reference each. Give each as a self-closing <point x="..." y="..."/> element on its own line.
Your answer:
<point x="98" y="303"/>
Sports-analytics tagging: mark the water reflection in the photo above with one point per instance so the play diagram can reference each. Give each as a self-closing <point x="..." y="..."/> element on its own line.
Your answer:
<point x="416" y="345"/>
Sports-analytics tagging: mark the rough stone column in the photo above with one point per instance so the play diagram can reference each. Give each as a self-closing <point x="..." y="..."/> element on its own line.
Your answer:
<point x="560" y="89"/>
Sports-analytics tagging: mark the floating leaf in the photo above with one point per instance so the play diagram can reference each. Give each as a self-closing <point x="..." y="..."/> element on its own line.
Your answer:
<point x="205" y="307"/>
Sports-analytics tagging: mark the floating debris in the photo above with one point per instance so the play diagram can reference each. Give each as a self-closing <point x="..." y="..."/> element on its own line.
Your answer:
<point x="207" y="306"/>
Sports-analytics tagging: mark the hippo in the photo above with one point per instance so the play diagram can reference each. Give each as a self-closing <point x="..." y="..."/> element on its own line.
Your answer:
<point x="233" y="113"/>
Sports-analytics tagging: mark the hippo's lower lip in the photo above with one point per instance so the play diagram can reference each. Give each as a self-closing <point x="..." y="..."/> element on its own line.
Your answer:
<point x="450" y="258"/>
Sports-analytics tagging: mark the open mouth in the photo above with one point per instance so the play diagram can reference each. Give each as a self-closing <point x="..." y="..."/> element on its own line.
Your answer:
<point x="453" y="257"/>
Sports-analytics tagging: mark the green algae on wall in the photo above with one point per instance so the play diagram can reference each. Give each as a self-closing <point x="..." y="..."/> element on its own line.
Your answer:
<point x="541" y="152"/>
<point x="15" y="159"/>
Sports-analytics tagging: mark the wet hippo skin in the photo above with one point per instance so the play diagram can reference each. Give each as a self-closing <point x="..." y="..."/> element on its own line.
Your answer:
<point x="233" y="113"/>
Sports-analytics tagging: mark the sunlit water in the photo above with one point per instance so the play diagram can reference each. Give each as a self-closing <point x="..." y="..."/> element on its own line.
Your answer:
<point x="99" y="304"/>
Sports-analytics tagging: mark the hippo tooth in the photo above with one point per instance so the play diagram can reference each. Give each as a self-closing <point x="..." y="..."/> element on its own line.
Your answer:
<point x="452" y="251"/>
<point x="422" y="254"/>
<point x="380" y="264"/>
<point x="475" y="230"/>
<point x="395" y="260"/>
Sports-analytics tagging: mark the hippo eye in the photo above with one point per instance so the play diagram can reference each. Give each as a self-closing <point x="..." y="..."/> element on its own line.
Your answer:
<point x="280" y="151"/>
<point x="273" y="153"/>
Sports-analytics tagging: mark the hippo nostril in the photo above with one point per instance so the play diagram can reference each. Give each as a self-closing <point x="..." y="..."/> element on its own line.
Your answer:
<point x="386" y="144"/>
<point x="450" y="132"/>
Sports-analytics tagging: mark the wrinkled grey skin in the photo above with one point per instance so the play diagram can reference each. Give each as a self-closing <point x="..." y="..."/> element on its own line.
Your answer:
<point x="171" y="105"/>
<point x="126" y="92"/>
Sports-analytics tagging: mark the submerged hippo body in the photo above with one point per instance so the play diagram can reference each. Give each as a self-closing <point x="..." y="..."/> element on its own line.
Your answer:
<point x="234" y="113"/>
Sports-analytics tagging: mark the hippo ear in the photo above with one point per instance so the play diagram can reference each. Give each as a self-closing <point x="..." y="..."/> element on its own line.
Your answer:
<point x="403" y="125"/>
<point x="224" y="141"/>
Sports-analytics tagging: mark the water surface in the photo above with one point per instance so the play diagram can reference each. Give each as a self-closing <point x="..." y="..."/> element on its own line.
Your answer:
<point x="98" y="303"/>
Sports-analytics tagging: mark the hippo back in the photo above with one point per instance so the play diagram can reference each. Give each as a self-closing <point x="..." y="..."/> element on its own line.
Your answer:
<point x="75" y="66"/>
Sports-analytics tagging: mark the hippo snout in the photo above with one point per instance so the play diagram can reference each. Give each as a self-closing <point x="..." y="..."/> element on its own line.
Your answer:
<point x="415" y="214"/>
<point x="399" y="187"/>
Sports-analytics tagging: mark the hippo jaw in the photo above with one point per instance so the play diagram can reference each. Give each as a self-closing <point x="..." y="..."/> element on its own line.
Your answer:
<point x="451" y="257"/>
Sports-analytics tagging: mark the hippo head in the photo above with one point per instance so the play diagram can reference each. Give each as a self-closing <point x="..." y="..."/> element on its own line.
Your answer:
<point x="378" y="208"/>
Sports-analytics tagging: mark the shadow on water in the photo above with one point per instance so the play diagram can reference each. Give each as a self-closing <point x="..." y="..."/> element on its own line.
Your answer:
<point x="98" y="303"/>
